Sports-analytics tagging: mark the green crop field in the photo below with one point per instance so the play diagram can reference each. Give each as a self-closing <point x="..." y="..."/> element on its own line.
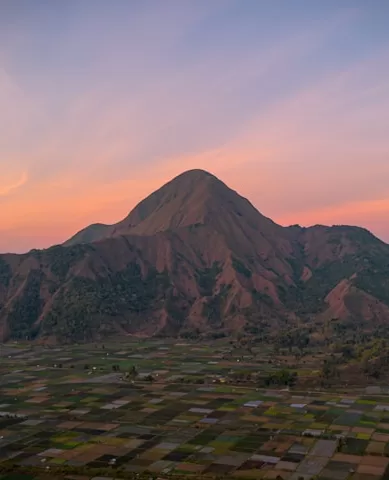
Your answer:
<point x="165" y="410"/>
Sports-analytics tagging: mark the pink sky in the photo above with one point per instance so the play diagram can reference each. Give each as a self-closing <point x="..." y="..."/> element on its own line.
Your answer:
<point x="99" y="108"/>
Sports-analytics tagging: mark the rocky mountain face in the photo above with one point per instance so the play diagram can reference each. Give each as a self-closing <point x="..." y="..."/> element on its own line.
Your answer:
<point x="195" y="258"/>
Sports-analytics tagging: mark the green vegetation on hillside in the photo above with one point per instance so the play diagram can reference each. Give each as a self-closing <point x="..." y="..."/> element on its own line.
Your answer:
<point x="27" y="307"/>
<point x="262" y="297"/>
<point x="79" y="309"/>
<point x="240" y="267"/>
<point x="5" y="272"/>
<point x="61" y="259"/>
<point x="213" y="307"/>
<point x="206" y="278"/>
<point x="375" y="279"/>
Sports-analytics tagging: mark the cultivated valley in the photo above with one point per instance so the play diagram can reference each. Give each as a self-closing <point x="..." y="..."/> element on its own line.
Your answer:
<point x="166" y="409"/>
<point x="196" y="338"/>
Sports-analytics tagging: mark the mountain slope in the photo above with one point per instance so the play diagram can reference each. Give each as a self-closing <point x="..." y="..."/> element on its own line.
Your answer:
<point x="90" y="234"/>
<point x="196" y="258"/>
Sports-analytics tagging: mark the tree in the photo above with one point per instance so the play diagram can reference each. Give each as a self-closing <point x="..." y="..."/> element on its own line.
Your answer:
<point x="281" y="377"/>
<point x="348" y="352"/>
<point x="329" y="370"/>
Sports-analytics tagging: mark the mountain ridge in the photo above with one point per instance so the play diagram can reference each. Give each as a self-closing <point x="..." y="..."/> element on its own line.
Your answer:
<point x="196" y="258"/>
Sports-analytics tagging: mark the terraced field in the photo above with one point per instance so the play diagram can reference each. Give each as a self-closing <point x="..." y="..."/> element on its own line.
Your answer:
<point x="78" y="409"/>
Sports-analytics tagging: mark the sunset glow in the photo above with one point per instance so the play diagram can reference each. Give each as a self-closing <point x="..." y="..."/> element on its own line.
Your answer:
<point x="102" y="102"/>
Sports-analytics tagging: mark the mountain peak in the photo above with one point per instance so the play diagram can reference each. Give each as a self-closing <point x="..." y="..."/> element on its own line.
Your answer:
<point x="195" y="174"/>
<point x="190" y="181"/>
<point x="192" y="198"/>
<point x="178" y="193"/>
<point x="195" y="197"/>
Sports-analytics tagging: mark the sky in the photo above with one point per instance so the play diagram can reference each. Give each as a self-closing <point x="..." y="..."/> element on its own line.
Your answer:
<point x="101" y="102"/>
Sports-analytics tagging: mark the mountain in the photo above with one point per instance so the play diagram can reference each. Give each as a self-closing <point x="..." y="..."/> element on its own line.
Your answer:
<point x="195" y="258"/>
<point x="192" y="198"/>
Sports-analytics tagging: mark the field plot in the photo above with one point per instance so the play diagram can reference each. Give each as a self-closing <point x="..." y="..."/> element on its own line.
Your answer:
<point x="164" y="409"/>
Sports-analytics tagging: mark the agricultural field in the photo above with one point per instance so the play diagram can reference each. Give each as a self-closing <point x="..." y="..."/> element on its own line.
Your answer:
<point x="166" y="409"/>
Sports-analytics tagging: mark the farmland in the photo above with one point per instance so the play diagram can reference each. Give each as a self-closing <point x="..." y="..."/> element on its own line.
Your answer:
<point x="171" y="409"/>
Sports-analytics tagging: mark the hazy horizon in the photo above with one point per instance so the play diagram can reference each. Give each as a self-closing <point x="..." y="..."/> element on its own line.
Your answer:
<point x="103" y="102"/>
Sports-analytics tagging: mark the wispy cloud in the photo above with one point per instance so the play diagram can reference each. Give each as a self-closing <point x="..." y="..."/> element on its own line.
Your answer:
<point x="7" y="188"/>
